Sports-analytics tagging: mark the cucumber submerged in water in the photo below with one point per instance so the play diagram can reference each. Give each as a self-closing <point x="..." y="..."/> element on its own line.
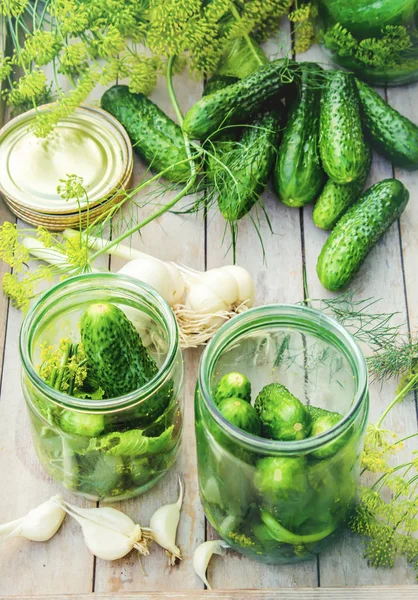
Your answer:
<point x="341" y="141"/>
<point x="358" y="231"/>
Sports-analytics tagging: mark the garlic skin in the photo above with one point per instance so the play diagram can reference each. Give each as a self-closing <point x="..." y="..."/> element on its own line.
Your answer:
<point x="163" y="525"/>
<point x="109" y="533"/>
<point x="39" y="525"/>
<point x="202" y="556"/>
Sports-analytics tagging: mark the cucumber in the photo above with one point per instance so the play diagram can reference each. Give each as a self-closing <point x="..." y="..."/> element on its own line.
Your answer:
<point x="336" y="198"/>
<point x="341" y="141"/>
<point x="241" y="414"/>
<point x="116" y="357"/>
<point x="298" y="175"/>
<point x="156" y="138"/>
<point x="358" y="231"/>
<point x="235" y="102"/>
<point x="393" y="135"/>
<point x="218" y="82"/>
<point x="249" y="162"/>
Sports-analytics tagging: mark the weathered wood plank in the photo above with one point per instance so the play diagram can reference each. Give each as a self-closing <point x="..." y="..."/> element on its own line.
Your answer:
<point x="351" y="593"/>
<point x="381" y="277"/>
<point x="178" y="238"/>
<point x="278" y="280"/>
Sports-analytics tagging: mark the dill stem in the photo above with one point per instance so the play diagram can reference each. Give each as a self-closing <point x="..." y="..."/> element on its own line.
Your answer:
<point x="236" y="15"/>
<point x="397" y="398"/>
<point x="63" y="363"/>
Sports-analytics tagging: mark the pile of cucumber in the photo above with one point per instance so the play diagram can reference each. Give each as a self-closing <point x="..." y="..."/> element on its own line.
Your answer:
<point x="310" y="129"/>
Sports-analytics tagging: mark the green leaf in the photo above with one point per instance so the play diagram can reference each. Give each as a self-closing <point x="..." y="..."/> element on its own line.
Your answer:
<point x="241" y="58"/>
<point x="132" y="443"/>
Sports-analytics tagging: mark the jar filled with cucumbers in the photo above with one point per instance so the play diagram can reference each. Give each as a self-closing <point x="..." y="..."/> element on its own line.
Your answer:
<point x="281" y="409"/>
<point x="377" y="40"/>
<point x="103" y="380"/>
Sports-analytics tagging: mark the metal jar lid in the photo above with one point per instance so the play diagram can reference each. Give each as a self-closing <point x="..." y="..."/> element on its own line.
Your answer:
<point x="89" y="143"/>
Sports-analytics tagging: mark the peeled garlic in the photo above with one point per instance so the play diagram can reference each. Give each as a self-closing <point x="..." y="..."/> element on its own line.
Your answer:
<point x="202" y="556"/>
<point x="163" y="525"/>
<point x="39" y="525"/>
<point x="109" y="533"/>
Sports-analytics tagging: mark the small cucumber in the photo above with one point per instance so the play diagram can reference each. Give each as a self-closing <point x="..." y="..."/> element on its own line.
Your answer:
<point x="358" y="231"/>
<point x="341" y="141"/>
<point x="393" y="135"/>
<point x="116" y="357"/>
<point x="156" y="138"/>
<point x="298" y="175"/>
<point x="218" y="82"/>
<point x="335" y="198"/>
<point x="235" y="102"/>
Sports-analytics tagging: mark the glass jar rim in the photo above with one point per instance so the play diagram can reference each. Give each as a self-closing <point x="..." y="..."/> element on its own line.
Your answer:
<point x="121" y="402"/>
<point x="232" y="330"/>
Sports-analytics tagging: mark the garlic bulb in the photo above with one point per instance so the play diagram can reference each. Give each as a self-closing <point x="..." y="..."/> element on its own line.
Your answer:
<point x="39" y="525"/>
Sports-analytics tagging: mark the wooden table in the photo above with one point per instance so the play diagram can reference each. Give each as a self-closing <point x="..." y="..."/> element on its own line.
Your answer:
<point x="63" y="565"/>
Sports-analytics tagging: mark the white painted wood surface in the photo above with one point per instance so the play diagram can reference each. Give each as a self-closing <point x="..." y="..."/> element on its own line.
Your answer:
<point x="63" y="565"/>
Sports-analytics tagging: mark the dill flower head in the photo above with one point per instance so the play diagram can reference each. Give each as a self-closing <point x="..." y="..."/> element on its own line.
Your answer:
<point x="20" y="291"/>
<point x="71" y="188"/>
<point x="74" y="59"/>
<point x="5" y="67"/>
<point x="12" y="251"/>
<point x="144" y="74"/>
<point x="30" y="88"/>
<point x="40" y="47"/>
<point x="13" y="8"/>
<point x="71" y="15"/>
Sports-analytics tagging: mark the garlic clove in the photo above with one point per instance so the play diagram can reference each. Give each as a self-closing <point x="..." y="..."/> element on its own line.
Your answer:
<point x="178" y="285"/>
<point x="222" y="283"/>
<point x="203" y="554"/>
<point x="106" y="543"/>
<point x="163" y="525"/>
<point x="41" y="523"/>
<point x="200" y="299"/>
<point x="153" y="272"/>
<point x="246" y="287"/>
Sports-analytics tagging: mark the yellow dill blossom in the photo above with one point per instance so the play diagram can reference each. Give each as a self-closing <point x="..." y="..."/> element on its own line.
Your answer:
<point x="45" y="122"/>
<point x="13" y="8"/>
<point x="74" y="59"/>
<point x="29" y="88"/>
<point x="71" y="15"/>
<point x="20" y="291"/>
<point x="241" y="539"/>
<point x="144" y="74"/>
<point x="379" y="445"/>
<point x="71" y="188"/>
<point x="40" y="47"/>
<point x="78" y="372"/>
<point x="45" y="237"/>
<point x="12" y="251"/>
<point x="77" y="252"/>
<point x="50" y="357"/>
<point x="5" y="67"/>
<point x="108" y="43"/>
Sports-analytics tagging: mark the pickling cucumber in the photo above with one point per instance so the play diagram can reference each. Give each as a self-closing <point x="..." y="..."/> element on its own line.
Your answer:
<point x="358" y="231"/>
<point x="234" y="103"/>
<point x="341" y="141"/>
<point x="393" y="135"/>
<point x="335" y="198"/>
<point x="298" y="175"/>
<point x="116" y="357"/>
<point x="156" y="138"/>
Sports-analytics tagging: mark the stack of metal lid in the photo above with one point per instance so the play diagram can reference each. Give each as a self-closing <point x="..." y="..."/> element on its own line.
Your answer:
<point x="89" y="143"/>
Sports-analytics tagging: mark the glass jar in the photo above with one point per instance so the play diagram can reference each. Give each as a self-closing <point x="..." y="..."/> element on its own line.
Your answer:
<point x="115" y="448"/>
<point x="271" y="500"/>
<point x="377" y="39"/>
